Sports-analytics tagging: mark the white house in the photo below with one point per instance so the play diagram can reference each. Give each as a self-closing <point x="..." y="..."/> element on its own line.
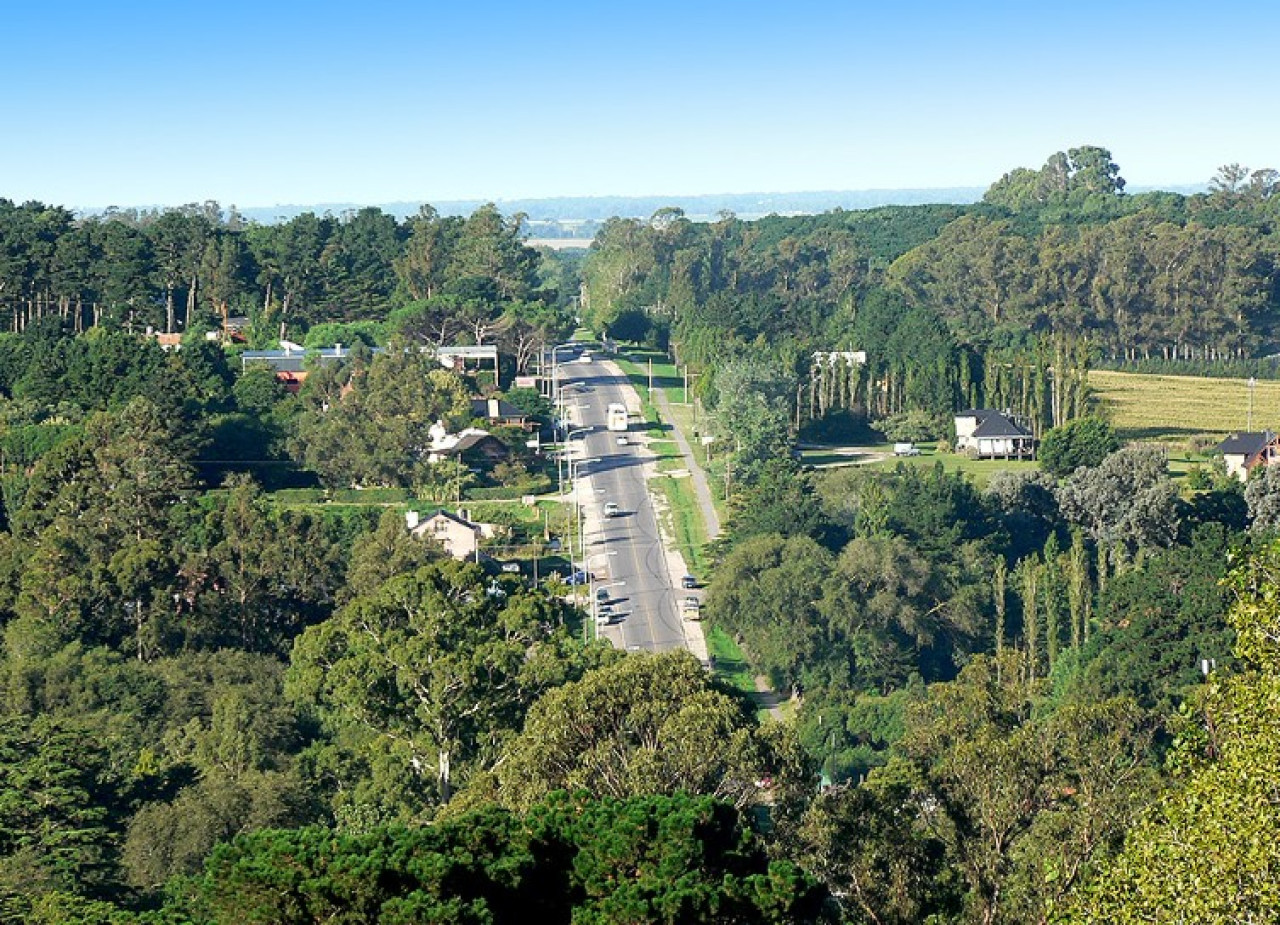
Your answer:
<point x="989" y="434"/>
<point x="455" y="532"/>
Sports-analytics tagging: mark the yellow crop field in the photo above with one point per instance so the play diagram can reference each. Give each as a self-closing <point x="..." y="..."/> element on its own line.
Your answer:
<point x="1149" y="407"/>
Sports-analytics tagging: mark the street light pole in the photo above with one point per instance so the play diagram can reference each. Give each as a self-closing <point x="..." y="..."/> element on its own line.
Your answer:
<point x="573" y="463"/>
<point x="564" y="451"/>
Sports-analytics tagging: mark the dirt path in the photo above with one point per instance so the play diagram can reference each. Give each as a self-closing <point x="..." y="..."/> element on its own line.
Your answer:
<point x="766" y="698"/>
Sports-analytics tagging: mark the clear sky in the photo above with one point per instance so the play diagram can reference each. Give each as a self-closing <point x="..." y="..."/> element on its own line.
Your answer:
<point x="371" y="101"/>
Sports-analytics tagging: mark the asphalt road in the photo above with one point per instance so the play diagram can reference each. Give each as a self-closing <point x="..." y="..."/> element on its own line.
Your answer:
<point x="625" y="552"/>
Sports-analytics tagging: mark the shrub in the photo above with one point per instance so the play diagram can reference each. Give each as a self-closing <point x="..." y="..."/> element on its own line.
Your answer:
<point x="1083" y="442"/>
<point x="913" y="426"/>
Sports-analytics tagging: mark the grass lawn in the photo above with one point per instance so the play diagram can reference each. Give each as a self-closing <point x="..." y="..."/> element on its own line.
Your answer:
<point x="1174" y="408"/>
<point x="685" y="523"/>
<point x="979" y="470"/>
<point x="666" y="376"/>
<point x="731" y="667"/>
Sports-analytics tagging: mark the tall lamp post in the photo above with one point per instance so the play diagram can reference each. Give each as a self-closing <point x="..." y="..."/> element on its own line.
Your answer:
<point x="577" y="513"/>
<point x="564" y="454"/>
<point x="555" y="365"/>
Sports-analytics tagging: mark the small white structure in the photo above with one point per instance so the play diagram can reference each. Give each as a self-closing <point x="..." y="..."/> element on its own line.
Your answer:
<point x="988" y="434"/>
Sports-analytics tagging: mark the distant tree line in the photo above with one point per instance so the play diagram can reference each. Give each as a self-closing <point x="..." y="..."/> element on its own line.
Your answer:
<point x="190" y="269"/>
<point x="1005" y="303"/>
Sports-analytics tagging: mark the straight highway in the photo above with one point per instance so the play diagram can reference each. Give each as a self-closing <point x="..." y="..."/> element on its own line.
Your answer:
<point x="625" y="552"/>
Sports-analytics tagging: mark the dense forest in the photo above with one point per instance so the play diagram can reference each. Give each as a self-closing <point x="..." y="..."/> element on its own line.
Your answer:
<point x="1048" y="698"/>
<point x="439" y="279"/>
<point x="956" y="306"/>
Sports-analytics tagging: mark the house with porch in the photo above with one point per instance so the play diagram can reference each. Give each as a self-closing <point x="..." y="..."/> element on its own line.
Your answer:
<point x="987" y="434"/>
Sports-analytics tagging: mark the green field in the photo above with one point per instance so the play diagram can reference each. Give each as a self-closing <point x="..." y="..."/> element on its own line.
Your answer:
<point x="979" y="470"/>
<point x="1175" y="408"/>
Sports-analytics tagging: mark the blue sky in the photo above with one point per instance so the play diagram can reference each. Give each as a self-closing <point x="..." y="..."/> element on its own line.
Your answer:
<point x="256" y="104"/>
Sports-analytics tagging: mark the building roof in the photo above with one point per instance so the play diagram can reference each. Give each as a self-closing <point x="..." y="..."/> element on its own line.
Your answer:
<point x="469" y="442"/>
<point x="995" y="424"/>
<point x="494" y="408"/>
<point x="447" y="516"/>
<point x="1245" y="443"/>
<point x="293" y="361"/>
<point x="469" y="351"/>
<point x="290" y="359"/>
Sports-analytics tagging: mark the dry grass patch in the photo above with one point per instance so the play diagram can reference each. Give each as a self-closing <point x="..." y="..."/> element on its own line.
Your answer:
<point x="1174" y="408"/>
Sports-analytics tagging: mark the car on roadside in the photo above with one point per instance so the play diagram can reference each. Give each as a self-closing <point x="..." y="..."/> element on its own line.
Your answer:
<point x="602" y="594"/>
<point x="577" y="578"/>
<point x="691" y="609"/>
<point x="688" y="582"/>
<point x="622" y="441"/>
<point x="611" y="509"/>
<point x="906" y="449"/>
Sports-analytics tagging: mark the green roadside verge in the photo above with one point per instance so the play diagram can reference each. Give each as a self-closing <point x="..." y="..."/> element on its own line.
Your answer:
<point x="682" y="518"/>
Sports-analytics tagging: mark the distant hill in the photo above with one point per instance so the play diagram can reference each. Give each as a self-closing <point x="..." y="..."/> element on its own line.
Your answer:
<point x="595" y="209"/>
<point x="581" y="216"/>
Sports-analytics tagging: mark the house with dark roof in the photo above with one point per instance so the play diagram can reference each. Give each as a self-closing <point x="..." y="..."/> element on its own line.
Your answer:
<point x="474" y="447"/>
<point x="1242" y="452"/>
<point x="500" y="411"/>
<point x="987" y="434"/>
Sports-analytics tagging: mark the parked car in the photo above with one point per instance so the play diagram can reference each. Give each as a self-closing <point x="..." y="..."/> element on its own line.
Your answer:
<point x="691" y="609"/>
<point x="906" y="449"/>
<point x="602" y="594"/>
<point x="622" y="441"/>
<point x="688" y="581"/>
<point x="511" y="567"/>
<point x="577" y="578"/>
<point x="611" y="509"/>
